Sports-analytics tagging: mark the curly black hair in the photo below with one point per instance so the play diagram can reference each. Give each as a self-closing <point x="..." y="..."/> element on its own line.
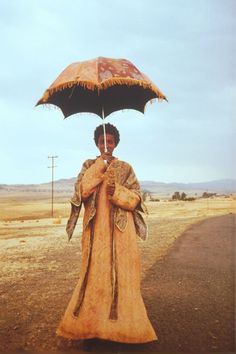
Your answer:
<point x="110" y="129"/>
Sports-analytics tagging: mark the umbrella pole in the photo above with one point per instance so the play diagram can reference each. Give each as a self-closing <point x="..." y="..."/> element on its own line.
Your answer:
<point x="104" y="130"/>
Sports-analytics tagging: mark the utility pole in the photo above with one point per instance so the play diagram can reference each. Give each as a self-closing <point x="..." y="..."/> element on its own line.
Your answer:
<point x="52" y="167"/>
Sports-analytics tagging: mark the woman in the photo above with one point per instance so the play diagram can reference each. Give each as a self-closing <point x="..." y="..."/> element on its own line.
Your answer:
<point x="107" y="302"/>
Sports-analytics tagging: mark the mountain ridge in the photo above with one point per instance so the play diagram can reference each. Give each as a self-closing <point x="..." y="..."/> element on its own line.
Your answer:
<point x="67" y="184"/>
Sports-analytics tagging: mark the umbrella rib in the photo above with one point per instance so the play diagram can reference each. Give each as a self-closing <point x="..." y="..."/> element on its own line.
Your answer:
<point x="72" y="91"/>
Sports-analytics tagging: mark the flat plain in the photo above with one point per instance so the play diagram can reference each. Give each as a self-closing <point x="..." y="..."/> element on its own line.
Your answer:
<point x="40" y="268"/>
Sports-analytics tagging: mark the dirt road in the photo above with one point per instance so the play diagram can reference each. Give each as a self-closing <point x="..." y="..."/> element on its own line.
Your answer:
<point x="189" y="296"/>
<point x="194" y="300"/>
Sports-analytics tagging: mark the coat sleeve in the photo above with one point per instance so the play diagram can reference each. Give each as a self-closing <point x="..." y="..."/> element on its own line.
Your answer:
<point x="92" y="177"/>
<point x="127" y="196"/>
<point x="91" y="174"/>
<point x="89" y="177"/>
<point x="76" y="201"/>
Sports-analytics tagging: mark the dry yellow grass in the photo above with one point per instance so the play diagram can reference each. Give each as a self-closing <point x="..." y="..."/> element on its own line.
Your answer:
<point x="28" y="230"/>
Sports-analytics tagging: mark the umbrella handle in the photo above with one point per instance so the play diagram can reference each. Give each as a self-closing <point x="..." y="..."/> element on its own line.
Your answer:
<point x="104" y="133"/>
<point x="104" y="130"/>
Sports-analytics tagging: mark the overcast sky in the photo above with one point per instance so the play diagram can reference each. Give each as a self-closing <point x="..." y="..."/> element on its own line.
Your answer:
<point x="186" y="47"/>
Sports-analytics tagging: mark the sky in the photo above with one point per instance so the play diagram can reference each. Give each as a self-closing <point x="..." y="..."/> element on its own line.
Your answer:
<point x="186" y="47"/>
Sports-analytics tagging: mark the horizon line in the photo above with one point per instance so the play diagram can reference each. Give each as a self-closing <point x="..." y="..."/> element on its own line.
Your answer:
<point x="140" y="181"/>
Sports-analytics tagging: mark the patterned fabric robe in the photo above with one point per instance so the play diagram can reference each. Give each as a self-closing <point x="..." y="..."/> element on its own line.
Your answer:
<point x="107" y="302"/>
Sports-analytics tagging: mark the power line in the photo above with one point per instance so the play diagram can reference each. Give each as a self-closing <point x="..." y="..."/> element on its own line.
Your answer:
<point x="52" y="167"/>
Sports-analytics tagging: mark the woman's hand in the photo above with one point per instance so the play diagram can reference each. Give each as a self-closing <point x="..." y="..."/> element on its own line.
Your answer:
<point x="111" y="182"/>
<point x="111" y="189"/>
<point x="107" y="156"/>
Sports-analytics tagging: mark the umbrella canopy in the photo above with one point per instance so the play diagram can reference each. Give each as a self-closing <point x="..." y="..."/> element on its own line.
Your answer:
<point x="101" y="86"/>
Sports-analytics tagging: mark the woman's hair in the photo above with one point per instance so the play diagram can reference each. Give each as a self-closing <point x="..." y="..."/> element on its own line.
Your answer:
<point x="110" y="129"/>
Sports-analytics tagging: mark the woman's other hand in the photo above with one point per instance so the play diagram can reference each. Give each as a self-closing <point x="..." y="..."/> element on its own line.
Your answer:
<point x="111" y="189"/>
<point x="110" y="182"/>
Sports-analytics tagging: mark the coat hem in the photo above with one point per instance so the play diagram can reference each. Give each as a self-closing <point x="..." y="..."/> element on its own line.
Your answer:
<point x="72" y="336"/>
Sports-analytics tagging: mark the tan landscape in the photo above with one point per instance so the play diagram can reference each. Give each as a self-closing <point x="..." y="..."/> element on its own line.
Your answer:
<point x="39" y="268"/>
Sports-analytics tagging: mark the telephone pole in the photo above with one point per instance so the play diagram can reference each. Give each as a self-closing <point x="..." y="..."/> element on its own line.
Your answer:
<point x="52" y="167"/>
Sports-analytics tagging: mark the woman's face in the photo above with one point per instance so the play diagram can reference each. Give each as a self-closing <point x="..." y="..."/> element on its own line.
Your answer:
<point x="110" y="140"/>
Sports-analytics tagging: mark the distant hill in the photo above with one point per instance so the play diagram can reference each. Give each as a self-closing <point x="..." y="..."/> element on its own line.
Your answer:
<point x="66" y="186"/>
<point x="218" y="186"/>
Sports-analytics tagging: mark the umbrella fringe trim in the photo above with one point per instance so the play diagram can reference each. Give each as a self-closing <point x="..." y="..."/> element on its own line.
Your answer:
<point x="103" y="86"/>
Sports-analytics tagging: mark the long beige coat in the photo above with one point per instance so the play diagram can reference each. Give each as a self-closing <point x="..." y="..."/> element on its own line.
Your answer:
<point x="107" y="302"/>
